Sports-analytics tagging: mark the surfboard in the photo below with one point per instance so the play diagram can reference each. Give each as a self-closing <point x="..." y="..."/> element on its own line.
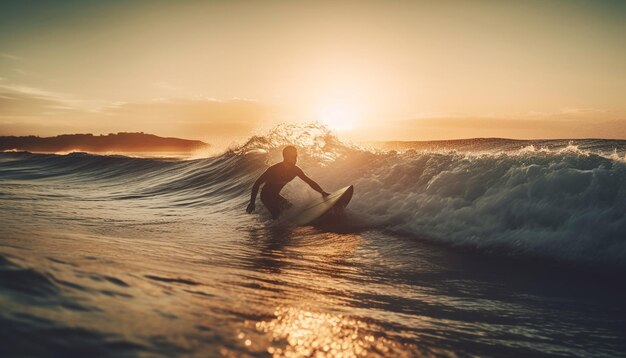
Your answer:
<point x="318" y="207"/>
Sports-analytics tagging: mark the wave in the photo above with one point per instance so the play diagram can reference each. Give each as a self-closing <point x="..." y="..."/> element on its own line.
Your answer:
<point x="562" y="200"/>
<point x="563" y="205"/>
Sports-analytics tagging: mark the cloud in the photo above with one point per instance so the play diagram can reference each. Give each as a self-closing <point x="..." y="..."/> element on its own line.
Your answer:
<point x="578" y="124"/>
<point x="572" y="122"/>
<point x="29" y="110"/>
<point x="166" y="86"/>
<point x="21" y="104"/>
<point x="208" y="117"/>
<point x="11" y="57"/>
<point x="24" y="94"/>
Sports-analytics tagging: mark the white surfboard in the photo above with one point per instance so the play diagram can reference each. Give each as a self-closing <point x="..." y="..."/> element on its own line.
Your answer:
<point x="322" y="205"/>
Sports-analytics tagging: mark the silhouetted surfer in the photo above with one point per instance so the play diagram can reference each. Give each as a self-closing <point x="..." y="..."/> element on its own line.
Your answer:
<point x="275" y="178"/>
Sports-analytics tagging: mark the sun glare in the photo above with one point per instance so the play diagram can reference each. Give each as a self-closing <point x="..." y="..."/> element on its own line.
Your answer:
<point x="339" y="117"/>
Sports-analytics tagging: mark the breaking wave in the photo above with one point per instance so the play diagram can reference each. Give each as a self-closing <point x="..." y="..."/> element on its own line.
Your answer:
<point x="564" y="200"/>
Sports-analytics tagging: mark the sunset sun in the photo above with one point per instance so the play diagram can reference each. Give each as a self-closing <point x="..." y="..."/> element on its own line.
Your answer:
<point x="339" y="117"/>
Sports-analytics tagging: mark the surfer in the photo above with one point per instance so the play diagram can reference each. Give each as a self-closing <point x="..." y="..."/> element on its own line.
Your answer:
<point x="275" y="178"/>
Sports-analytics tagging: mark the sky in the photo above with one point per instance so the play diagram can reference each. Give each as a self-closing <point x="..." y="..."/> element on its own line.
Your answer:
<point x="370" y="70"/>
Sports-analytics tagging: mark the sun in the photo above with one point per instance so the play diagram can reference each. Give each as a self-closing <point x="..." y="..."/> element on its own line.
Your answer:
<point x="339" y="117"/>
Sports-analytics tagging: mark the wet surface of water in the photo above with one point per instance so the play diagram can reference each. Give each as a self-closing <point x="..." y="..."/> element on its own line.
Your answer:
<point x="127" y="277"/>
<point x="440" y="254"/>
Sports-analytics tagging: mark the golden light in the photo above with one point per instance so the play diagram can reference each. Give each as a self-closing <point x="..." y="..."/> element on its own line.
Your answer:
<point x="339" y="117"/>
<point x="297" y="332"/>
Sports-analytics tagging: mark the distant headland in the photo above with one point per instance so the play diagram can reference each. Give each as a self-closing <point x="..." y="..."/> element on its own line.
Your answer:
<point x="113" y="142"/>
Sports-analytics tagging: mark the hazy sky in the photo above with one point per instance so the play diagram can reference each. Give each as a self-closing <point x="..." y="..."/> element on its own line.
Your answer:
<point x="407" y="70"/>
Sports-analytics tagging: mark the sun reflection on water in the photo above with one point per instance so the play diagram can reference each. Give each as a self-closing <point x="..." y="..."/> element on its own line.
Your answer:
<point x="296" y="332"/>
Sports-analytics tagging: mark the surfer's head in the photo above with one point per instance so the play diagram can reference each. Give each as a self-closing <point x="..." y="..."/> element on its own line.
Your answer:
<point x="290" y="155"/>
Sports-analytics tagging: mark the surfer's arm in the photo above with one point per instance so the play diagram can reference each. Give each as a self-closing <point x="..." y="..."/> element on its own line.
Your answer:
<point x="311" y="183"/>
<point x="255" y="190"/>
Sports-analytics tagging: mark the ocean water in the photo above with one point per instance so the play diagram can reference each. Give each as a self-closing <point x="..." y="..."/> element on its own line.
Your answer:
<point x="478" y="248"/>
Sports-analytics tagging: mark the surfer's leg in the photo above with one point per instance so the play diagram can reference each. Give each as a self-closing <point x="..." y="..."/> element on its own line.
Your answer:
<point x="272" y="204"/>
<point x="275" y="205"/>
<point x="284" y="203"/>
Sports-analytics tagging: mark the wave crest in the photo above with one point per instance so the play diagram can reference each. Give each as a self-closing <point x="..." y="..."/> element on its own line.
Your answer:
<point x="564" y="205"/>
<point x="313" y="140"/>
